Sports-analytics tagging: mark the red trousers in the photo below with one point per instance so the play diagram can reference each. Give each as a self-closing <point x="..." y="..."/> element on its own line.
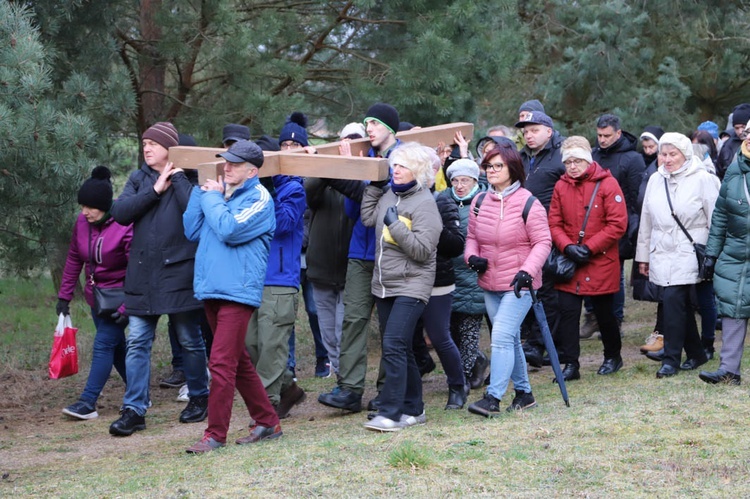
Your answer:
<point x="231" y="368"/>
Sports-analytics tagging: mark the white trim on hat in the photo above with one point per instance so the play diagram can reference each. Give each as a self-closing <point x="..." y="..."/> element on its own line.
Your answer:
<point x="649" y="135"/>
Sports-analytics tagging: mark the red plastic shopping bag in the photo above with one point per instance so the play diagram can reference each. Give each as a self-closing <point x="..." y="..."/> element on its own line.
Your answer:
<point x="63" y="361"/>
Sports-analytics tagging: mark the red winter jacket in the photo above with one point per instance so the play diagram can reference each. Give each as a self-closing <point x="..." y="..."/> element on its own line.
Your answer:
<point x="499" y="234"/>
<point x="607" y="223"/>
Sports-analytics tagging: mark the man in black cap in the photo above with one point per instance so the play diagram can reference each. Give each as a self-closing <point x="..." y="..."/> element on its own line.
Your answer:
<point x="740" y="117"/>
<point x="542" y="160"/>
<point x="233" y="133"/>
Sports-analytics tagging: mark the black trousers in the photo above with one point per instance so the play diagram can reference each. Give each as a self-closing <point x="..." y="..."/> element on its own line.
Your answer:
<point x="568" y="331"/>
<point x="548" y="295"/>
<point x="679" y="330"/>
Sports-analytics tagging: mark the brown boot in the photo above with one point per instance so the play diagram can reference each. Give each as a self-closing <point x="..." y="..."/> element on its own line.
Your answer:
<point x="290" y="397"/>
<point x="654" y="343"/>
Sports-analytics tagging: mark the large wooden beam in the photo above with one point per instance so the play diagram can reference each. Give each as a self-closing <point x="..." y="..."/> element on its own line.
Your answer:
<point x="327" y="164"/>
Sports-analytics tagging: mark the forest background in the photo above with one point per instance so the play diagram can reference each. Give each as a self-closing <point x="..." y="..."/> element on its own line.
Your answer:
<point x="81" y="80"/>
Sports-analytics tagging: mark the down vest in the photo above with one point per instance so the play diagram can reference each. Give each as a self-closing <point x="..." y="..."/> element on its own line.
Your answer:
<point x="661" y="242"/>
<point x="159" y="278"/>
<point x="499" y="234"/>
<point x="729" y="240"/>
<point x="607" y="223"/>
<point x="408" y="267"/>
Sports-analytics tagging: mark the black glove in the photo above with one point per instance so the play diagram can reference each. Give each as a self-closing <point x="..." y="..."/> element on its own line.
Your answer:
<point x="708" y="268"/>
<point x="579" y="253"/>
<point x="478" y="264"/>
<point x="120" y="319"/>
<point x="522" y="280"/>
<point x="391" y="215"/>
<point x="63" y="307"/>
<point x="382" y="183"/>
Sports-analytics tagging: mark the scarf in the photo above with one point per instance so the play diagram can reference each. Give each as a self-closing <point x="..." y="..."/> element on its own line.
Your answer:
<point x="401" y="188"/>
<point x="466" y="197"/>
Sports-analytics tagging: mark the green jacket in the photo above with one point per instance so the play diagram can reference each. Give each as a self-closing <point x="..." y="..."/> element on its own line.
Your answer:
<point x="729" y="240"/>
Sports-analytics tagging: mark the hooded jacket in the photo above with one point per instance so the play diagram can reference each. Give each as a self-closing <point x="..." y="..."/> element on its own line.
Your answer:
<point x="286" y="245"/>
<point x="451" y="243"/>
<point x="406" y="268"/>
<point x="234" y="237"/>
<point x="626" y="165"/>
<point x="607" y="222"/>
<point x="661" y="242"/>
<point x="544" y="168"/>
<point x="159" y="278"/>
<point x="729" y="240"/>
<point x="468" y="297"/>
<point x="110" y="243"/>
<point x="499" y="234"/>
<point x="728" y="154"/>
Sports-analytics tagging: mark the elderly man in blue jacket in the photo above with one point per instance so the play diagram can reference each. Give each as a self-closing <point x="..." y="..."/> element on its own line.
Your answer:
<point x="233" y="222"/>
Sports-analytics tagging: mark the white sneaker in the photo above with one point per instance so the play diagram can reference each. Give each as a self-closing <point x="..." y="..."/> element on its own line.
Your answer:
<point x="381" y="423"/>
<point x="183" y="395"/>
<point x="407" y="420"/>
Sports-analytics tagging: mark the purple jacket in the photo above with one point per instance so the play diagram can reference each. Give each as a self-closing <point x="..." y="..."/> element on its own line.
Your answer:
<point x="110" y="243"/>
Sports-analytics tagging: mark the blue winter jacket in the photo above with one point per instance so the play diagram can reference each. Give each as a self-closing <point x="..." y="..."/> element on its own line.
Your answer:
<point x="286" y="246"/>
<point x="234" y="237"/>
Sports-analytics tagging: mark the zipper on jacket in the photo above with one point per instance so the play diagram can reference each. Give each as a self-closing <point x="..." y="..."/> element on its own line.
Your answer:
<point x="281" y="260"/>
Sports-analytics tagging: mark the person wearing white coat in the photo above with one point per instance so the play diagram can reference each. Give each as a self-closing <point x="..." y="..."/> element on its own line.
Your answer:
<point x="664" y="252"/>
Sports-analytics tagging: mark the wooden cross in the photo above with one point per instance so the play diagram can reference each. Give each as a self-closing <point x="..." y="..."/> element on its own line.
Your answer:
<point x="326" y="164"/>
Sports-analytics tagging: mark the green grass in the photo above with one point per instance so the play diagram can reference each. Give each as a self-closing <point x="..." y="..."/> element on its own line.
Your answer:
<point x="627" y="435"/>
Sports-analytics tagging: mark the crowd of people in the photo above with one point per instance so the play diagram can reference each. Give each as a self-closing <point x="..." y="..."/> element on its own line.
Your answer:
<point x="448" y="241"/>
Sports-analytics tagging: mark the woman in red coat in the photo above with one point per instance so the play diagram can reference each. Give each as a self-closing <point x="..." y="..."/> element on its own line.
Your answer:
<point x="597" y="258"/>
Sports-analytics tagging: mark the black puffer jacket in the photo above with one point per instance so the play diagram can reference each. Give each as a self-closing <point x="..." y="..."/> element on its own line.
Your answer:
<point x="626" y="164"/>
<point x="727" y="154"/>
<point x="546" y="170"/>
<point x="159" y="278"/>
<point x="451" y="242"/>
<point x="330" y="232"/>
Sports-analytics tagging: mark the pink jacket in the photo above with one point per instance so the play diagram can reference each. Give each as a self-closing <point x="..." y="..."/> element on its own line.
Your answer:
<point x="498" y="233"/>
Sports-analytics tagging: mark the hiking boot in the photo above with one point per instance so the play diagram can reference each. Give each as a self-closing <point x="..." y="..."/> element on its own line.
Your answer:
<point x="293" y="395"/>
<point x="521" y="401"/>
<point x="477" y="372"/>
<point x="457" y="395"/>
<point x="128" y="423"/>
<point x="322" y="367"/>
<point x="488" y="406"/>
<point x="341" y="398"/>
<point x="175" y="380"/>
<point x="206" y="444"/>
<point x="258" y="433"/>
<point x="195" y="411"/>
<point x="80" y="410"/>
<point x="654" y="343"/>
<point x="383" y="424"/>
<point x="589" y="326"/>
<point x="720" y="376"/>
<point x="407" y="421"/>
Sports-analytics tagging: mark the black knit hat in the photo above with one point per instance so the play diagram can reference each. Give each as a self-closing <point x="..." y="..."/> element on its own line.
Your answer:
<point x="96" y="191"/>
<point x="741" y="114"/>
<point x="385" y="114"/>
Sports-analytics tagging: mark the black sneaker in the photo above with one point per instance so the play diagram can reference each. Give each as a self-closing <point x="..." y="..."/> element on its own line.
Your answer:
<point x="322" y="367"/>
<point x="196" y="410"/>
<point x="521" y="401"/>
<point x="342" y="399"/>
<point x="80" y="410"/>
<point x="128" y="423"/>
<point x="488" y="407"/>
<point x="175" y="380"/>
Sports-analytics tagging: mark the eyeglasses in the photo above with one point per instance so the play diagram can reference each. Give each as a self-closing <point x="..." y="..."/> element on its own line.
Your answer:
<point x="496" y="167"/>
<point x="289" y="144"/>
<point x="574" y="161"/>
<point x="463" y="182"/>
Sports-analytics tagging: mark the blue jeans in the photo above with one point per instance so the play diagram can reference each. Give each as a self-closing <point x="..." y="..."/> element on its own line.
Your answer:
<point x="109" y="350"/>
<point x="508" y="361"/>
<point x="402" y="390"/>
<point x="138" y="360"/>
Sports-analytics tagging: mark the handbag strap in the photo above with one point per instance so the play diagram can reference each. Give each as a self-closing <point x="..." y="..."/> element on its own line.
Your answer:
<point x="671" y="209"/>
<point x="588" y="212"/>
